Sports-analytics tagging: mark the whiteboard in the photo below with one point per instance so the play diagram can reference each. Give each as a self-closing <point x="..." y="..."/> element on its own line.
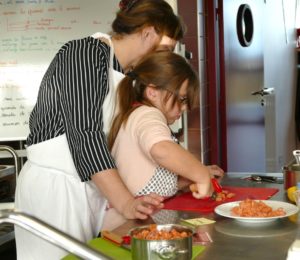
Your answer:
<point x="31" y="32"/>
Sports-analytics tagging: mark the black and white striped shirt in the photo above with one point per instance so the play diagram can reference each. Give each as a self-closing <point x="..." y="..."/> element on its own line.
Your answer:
<point x="70" y="101"/>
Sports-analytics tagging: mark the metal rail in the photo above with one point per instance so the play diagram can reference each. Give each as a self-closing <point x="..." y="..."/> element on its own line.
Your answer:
<point x="50" y="234"/>
<point x="15" y="156"/>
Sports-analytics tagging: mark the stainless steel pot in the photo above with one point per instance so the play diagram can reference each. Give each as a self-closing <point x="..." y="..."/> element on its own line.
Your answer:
<point x="179" y="249"/>
<point x="291" y="174"/>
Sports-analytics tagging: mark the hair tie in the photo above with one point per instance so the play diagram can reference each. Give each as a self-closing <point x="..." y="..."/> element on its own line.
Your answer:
<point x="131" y="74"/>
<point x="125" y="5"/>
<point x="136" y="104"/>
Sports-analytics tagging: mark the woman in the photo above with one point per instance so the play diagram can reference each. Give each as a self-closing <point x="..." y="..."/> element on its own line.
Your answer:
<point x="70" y="172"/>
<point x="151" y="97"/>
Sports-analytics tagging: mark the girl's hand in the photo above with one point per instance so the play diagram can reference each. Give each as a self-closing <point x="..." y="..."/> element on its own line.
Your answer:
<point x="201" y="190"/>
<point x="142" y="207"/>
<point x="215" y="171"/>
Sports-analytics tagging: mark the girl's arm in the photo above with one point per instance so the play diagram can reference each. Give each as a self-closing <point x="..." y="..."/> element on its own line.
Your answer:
<point x="180" y="161"/>
<point x="183" y="183"/>
<point x="215" y="172"/>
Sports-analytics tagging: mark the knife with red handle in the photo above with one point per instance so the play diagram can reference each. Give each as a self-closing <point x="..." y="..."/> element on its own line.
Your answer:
<point x="216" y="185"/>
<point x="122" y="241"/>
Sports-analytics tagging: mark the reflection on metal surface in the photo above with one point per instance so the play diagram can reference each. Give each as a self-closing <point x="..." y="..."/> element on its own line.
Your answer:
<point x="6" y="229"/>
<point x="6" y="170"/>
<point x="239" y="229"/>
<point x="165" y="217"/>
<point x="14" y="155"/>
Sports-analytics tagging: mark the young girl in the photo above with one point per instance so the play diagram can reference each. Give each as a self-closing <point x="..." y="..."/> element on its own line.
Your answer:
<point x="149" y="159"/>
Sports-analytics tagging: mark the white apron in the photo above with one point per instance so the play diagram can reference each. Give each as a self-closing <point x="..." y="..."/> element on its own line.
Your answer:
<point x="50" y="189"/>
<point x="110" y="104"/>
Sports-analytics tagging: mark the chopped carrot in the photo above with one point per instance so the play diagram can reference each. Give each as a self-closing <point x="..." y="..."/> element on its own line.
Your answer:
<point x="220" y="196"/>
<point x="151" y="233"/>
<point x="252" y="208"/>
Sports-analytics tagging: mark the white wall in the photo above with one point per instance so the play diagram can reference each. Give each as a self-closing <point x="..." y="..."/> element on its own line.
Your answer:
<point x="30" y="35"/>
<point x="280" y="73"/>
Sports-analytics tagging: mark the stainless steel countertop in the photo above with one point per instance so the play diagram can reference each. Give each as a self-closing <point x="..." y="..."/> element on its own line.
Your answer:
<point x="233" y="240"/>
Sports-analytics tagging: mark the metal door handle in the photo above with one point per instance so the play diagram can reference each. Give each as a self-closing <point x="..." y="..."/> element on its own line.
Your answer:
<point x="263" y="92"/>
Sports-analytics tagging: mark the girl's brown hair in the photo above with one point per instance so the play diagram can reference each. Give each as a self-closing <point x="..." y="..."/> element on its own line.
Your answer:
<point x="164" y="70"/>
<point x="139" y="14"/>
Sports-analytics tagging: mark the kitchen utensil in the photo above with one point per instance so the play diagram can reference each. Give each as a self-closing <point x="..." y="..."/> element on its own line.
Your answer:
<point x="179" y="249"/>
<point x="115" y="252"/>
<point x="115" y="238"/>
<point x="216" y="185"/>
<point x="217" y="189"/>
<point x="296" y="154"/>
<point x="260" y="178"/>
<point x="186" y="201"/>
<point x="291" y="175"/>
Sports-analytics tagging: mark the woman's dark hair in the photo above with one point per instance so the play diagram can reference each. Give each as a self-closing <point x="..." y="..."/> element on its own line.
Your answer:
<point x="164" y="70"/>
<point x="138" y="14"/>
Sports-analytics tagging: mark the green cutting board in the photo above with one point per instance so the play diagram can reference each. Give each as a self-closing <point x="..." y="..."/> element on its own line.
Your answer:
<point x="119" y="253"/>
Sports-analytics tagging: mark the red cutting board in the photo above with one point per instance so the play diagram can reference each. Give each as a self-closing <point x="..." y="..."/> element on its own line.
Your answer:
<point x="187" y="202"/>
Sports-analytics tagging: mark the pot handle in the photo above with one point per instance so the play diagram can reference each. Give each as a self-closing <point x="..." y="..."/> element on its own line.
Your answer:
<point x="296" y="154"/>
<point x="169" y="252"/>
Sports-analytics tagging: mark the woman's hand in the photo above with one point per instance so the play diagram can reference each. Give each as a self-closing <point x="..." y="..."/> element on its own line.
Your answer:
<point x="215" y="171"/>
<point x="142" y="207"/>
<point x="122" y="200"/>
